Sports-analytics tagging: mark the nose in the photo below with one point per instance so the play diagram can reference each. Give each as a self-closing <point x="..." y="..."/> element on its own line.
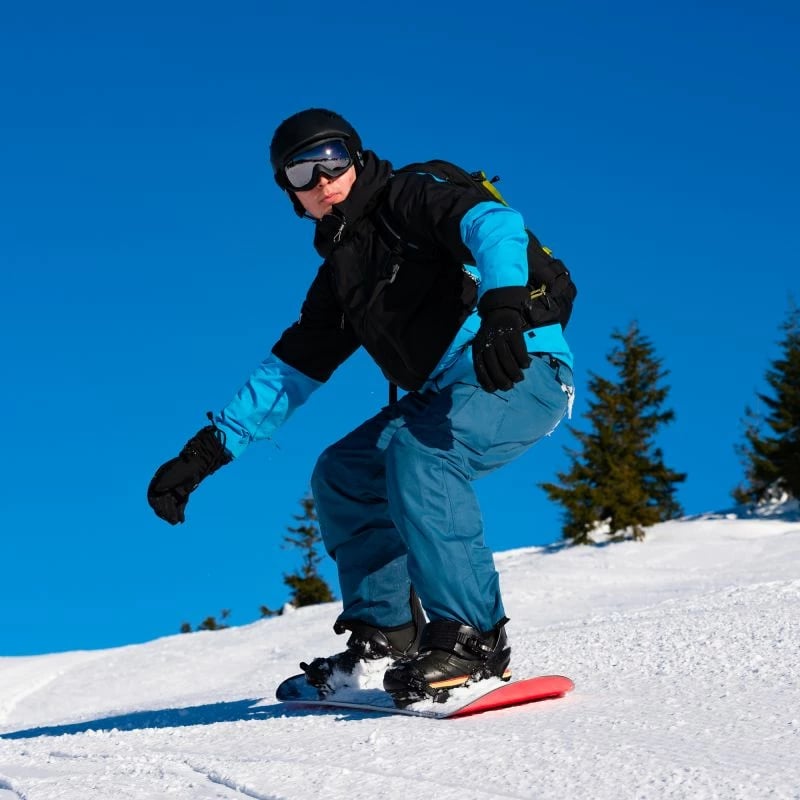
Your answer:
<point x="324" y="180"/>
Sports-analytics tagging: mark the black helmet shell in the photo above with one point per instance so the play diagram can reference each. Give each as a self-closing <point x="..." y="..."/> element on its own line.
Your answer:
<point x="305" y="128"/>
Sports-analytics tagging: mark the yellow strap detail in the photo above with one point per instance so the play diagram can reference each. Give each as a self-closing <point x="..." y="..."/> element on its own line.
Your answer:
<point x="493" y="191"/>
<point x="540" y="292"/>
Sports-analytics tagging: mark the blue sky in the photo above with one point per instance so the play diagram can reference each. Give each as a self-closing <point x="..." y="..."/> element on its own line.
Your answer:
<point x="149" y="262"/>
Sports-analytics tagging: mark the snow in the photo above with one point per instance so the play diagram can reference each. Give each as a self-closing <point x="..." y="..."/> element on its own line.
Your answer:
<point x="684" y="650"/>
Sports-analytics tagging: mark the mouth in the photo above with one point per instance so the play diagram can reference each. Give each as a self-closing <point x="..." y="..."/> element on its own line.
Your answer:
<point x="330" y="199"/>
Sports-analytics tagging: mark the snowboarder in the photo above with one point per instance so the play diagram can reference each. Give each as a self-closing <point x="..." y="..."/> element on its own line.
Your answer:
<point x="394" y="498"/>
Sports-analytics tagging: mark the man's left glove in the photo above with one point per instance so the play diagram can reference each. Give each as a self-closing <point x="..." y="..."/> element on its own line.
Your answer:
<point x="168" y="492"/>
<point x="499" y="351"/>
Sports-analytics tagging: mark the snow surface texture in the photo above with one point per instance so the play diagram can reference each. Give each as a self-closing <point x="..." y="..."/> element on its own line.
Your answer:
<point x="684" y="649"/>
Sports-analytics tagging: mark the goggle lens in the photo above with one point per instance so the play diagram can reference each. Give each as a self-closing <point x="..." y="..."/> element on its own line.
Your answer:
<point x="329" y="158"/>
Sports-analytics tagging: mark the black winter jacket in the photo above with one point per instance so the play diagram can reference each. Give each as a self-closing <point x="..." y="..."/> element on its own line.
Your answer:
<point x="403" y="303"/>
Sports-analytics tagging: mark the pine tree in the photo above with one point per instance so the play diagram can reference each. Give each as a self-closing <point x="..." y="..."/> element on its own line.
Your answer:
<point x="308" y="586"/>
<point x="209" y="623"/>
<point x="772" y="463"/>
<point x="617" y="480"/>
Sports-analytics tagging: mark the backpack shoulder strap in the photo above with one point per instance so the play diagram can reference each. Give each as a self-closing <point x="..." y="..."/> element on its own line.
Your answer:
<point x="446" y="172"/>
<point x="452" y="173"/>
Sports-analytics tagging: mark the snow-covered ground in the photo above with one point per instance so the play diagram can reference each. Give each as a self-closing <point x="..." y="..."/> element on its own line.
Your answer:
<point x="685" y="651"/>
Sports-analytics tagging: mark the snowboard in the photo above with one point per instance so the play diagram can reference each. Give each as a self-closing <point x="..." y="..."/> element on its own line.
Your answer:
<point x="485" y="695"/>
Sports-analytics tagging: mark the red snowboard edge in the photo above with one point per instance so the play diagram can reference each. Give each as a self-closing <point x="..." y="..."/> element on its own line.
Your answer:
<point x="518" y="692"/>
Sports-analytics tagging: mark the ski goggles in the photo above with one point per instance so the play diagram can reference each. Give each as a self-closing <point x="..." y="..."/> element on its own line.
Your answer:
<point x="331" y="158"/>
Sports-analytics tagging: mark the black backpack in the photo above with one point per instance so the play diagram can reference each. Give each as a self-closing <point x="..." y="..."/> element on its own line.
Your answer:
<point x="552" y="289"/>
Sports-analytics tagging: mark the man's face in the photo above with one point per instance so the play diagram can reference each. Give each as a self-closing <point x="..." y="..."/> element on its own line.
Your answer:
<point x="328" y="191"/>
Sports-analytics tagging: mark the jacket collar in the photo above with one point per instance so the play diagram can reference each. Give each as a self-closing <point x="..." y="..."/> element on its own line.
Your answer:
<point x="364" y="196"/>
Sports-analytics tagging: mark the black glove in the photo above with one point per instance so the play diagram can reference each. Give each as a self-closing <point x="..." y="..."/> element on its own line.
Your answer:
<point x="168" y="492"/>
<point x="499" y="351"/>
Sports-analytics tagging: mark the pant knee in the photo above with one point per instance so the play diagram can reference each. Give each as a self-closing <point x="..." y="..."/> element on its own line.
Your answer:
<point x="406" y="458"/>
<point x="399" y="451"/>
<point x="323" y="472"/>
<point x="409" y="449"/>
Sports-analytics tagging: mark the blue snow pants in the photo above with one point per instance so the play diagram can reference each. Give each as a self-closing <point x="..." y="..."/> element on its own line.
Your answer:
<point x="396" y="506"/>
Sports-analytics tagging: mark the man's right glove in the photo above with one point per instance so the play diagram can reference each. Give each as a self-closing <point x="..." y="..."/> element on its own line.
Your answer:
<point x="168" y="492"/>
<point x="499" y="351"/>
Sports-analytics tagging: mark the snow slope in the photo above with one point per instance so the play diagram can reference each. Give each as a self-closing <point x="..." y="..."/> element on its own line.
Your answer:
<point x="684" y="649"/>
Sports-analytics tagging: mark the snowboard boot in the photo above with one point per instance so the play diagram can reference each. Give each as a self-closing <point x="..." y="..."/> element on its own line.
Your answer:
<point x="450" y="655"/>
<point x="367" y="643"/>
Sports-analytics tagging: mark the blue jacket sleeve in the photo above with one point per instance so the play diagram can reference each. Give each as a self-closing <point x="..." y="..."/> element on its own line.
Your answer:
<point x="263" y="404"/>
<point x="495" y="235"/>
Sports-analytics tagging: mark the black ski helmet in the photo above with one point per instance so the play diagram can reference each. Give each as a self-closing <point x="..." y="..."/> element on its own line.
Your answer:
<point x="305" y="128"/>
